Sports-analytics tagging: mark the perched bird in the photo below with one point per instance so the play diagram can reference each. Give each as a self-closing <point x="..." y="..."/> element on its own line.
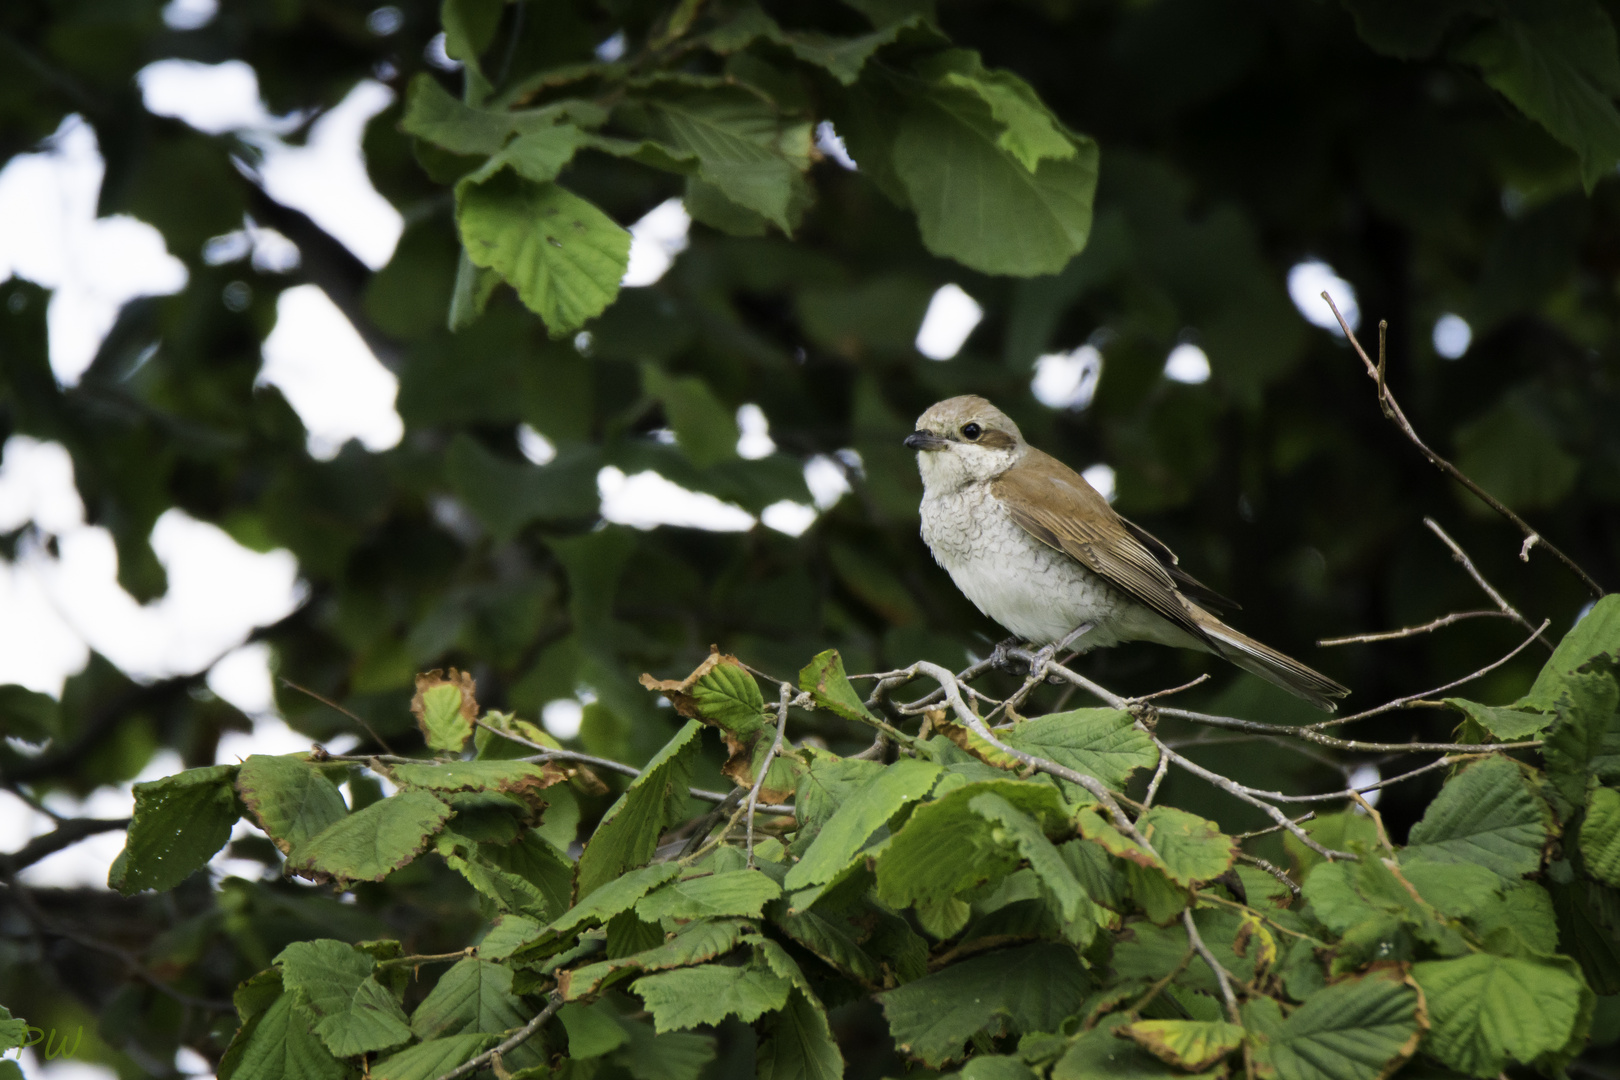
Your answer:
<point x="1037" y="549"/>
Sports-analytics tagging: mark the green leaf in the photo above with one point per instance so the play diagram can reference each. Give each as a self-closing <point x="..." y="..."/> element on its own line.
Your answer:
<point x="180" y="822"/>
<point x="1355" y="1029"/>
<point x="628" y="833"/>
<point x="834" y="940"/>
<point x="826" y="784"/>
<point x="1557" y="61"/>
<point x="374" y="842"/>
<point x="940" y="146"/>
<point x="290" y="798"/>
<point x="1099" y="1055"/>
<point x="563" y="256"/>
<point x="1030" y="133"/>
<point x="1598" y="634"/>
<point x="746" y="150"/>
<point x="1600" y="835"/>
<point x="705" y="430"/>
<point x="739" y="892"/>
<point x="619" y="894"/>
<point x="281" y="1046"/>
<point x="674" y="1056"/>
<point x="537" y="155"/>
<point x="593" y="1030"/>
<point x="1488" y="814"/>
<point x="355" y="1015"/>
<point x="708" y="994"/>
<point x="861" y="815"/>
<point x="1584" y="742"/>
<point x="995" y="1067"/>
<point x="473" y="996"/>
<point x="432" y="114"/>
<point x="510" y="933"/>
<point x="1191" y="848"/>
<point x="1075" y="909"/>
<point x="1526" y="910"/>
<point x="1506" y="723"/>
<point x="728" y="695"/>
<point x="432" y="1059"/>
<point x="1194" y="1045"/>
<point x="514" y="777"/>
<point x="1030" y="988"/>
<point x="798" y="1043"/>
<point x="507" y="495"/>
<point x="1486" y="1011"/>
<point x="1103" y="743"/>
<point x="824" y="680"/>
<point x="13" y="1031"/>
<point x="1588" y="916"/>
<point x="1456" y="890"/>
<point x="444" y="710"/>
<point x="695" y="943"/>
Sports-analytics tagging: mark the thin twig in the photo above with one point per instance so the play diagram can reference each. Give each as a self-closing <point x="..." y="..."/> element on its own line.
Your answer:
<point x="1410" y="699"/>
<point x="1479" y="579"/>
<point x="1302" y="819"/>
<point x="330" y="704"/>
<point x="706" y="824"/>
<point x="554" y="1003"/>
<point x="1255" y="799"/>
<point x="1413" y="631"/>
<point x="1166" y="693"/>
<point x="1271" y="868"/>
<point x="1221" y="976"/>
<point x="1158" y="778"/>
<point x="765" y="766"/>
<point x="1392" y="409"/>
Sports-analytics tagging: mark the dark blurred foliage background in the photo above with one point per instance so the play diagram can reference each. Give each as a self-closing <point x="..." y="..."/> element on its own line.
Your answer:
<point x="1238" y="138"/>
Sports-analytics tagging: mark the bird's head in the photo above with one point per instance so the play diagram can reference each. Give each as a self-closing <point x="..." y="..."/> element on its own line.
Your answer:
<point x="964" y="440"/>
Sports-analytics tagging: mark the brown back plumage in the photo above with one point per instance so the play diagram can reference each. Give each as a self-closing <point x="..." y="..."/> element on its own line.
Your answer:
<point x="1056" y="506"/>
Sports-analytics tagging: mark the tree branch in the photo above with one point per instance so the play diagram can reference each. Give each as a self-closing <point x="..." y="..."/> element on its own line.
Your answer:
<point x="1392" y="409"/>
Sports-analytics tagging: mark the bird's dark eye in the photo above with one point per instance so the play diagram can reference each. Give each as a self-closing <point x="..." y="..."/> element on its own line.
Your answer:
<point x="971" y="431"/>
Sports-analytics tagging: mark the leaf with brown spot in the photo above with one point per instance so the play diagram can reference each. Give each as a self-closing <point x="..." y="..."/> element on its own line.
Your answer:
<point x="445" y="707"/>
<point x="720" y="692"/>
<point x="1193" y="1045"/>
<point x="374" y="842"/>
<point x="523" y="779"/>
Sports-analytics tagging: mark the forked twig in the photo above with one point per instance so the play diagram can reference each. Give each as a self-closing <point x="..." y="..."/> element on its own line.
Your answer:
<point x="330" y="704"/>
<point x="518" y="1038"/>
<point x="1392" y="409"/>
<point x="1479" y="579"/>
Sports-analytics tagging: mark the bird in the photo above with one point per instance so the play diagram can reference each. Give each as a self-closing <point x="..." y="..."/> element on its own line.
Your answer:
<point x="1040" y="551"/>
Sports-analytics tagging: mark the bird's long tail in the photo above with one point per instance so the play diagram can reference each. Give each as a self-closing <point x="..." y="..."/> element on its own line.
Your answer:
<point x="1271" y="665"/>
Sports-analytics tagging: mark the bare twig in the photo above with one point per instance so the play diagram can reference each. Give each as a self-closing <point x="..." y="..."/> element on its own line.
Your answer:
<point x="1392" y="409"/>
<point x="517" y="1039"/>
<point x="1479" y="579"/>
<point x="1413" y="631"/>
<point x="1158" y="778"/>
<point x="765" y="766"/>
<point x="1271" y="868"/>
<point x="1221" y="976"/>
<point x="68" y="831"/>
<point x="1166" y="693"/>
<point x="1412" y="699"/>
<point x="1302" y="819"/>
<point x="1255" y="799"/>
<point x="335" y="707"/>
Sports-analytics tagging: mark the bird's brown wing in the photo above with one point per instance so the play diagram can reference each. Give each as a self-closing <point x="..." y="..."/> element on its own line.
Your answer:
<point x="1056" y="506"/>
<point x="1190" y="586"/>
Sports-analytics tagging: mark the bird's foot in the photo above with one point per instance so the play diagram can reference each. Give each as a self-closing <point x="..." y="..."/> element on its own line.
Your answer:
<point x="1002" y="659"/>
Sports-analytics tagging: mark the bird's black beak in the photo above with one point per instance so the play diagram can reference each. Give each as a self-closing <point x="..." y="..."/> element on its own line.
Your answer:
<point x="925" y="440"/>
